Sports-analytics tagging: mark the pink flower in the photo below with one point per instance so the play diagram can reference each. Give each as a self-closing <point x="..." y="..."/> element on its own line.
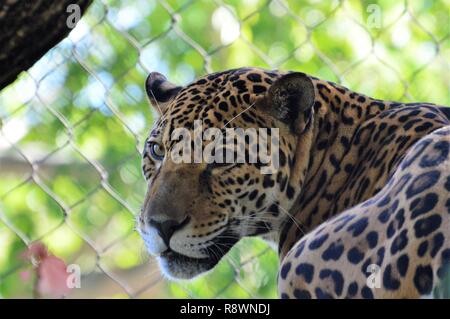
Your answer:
<point x="50" y="270"/>
<point x="52" y="276"/>
<point x="36" y="251"/>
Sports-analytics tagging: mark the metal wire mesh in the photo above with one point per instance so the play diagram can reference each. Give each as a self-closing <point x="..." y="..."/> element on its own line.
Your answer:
<point x="72" y="127"/>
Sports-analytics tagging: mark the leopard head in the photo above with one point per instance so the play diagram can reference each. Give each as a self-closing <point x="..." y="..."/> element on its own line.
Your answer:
<point x="196" y="210"/>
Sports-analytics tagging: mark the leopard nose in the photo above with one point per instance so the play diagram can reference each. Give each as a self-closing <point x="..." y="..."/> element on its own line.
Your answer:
<point x="166" y="228"/>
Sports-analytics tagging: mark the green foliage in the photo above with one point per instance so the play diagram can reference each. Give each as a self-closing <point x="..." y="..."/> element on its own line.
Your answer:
<point x="73" y="125"/>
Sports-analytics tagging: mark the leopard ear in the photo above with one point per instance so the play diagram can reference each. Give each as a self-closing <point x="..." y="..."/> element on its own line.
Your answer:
<point x="160" y="91"/>
<point x="289" y="96"/>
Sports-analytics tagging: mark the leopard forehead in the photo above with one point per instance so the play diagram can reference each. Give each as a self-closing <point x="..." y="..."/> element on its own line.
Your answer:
<point x="217" y="99"/>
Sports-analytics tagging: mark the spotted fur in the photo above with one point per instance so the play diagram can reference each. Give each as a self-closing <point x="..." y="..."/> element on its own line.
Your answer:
<point x="362" y="183"/>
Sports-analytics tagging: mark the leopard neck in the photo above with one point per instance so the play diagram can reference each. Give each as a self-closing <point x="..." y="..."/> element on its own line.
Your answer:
<point x="337" y="115"/>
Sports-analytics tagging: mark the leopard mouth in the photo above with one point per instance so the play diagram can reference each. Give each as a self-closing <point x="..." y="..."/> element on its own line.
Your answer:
<point x="179" y="266"/>
<point x="176" y="265"/>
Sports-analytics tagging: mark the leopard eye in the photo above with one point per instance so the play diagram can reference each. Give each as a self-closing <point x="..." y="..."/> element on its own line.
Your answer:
<point x="156" y="151"/>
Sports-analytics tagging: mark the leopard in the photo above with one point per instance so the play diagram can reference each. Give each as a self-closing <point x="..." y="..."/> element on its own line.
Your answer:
<point x="358" y="207"/>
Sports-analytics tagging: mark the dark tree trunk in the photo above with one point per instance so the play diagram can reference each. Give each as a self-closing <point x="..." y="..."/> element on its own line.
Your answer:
<point x="28" y="29"/>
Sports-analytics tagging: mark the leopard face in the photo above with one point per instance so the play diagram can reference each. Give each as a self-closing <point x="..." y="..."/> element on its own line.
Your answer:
<point x="194" y="212"/>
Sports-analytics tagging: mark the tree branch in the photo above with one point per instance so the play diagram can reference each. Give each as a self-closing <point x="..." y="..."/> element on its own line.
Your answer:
<point x="28" y="29"/>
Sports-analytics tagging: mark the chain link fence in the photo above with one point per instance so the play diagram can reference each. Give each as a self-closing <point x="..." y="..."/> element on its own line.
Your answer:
<point x="73" y="126"/>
